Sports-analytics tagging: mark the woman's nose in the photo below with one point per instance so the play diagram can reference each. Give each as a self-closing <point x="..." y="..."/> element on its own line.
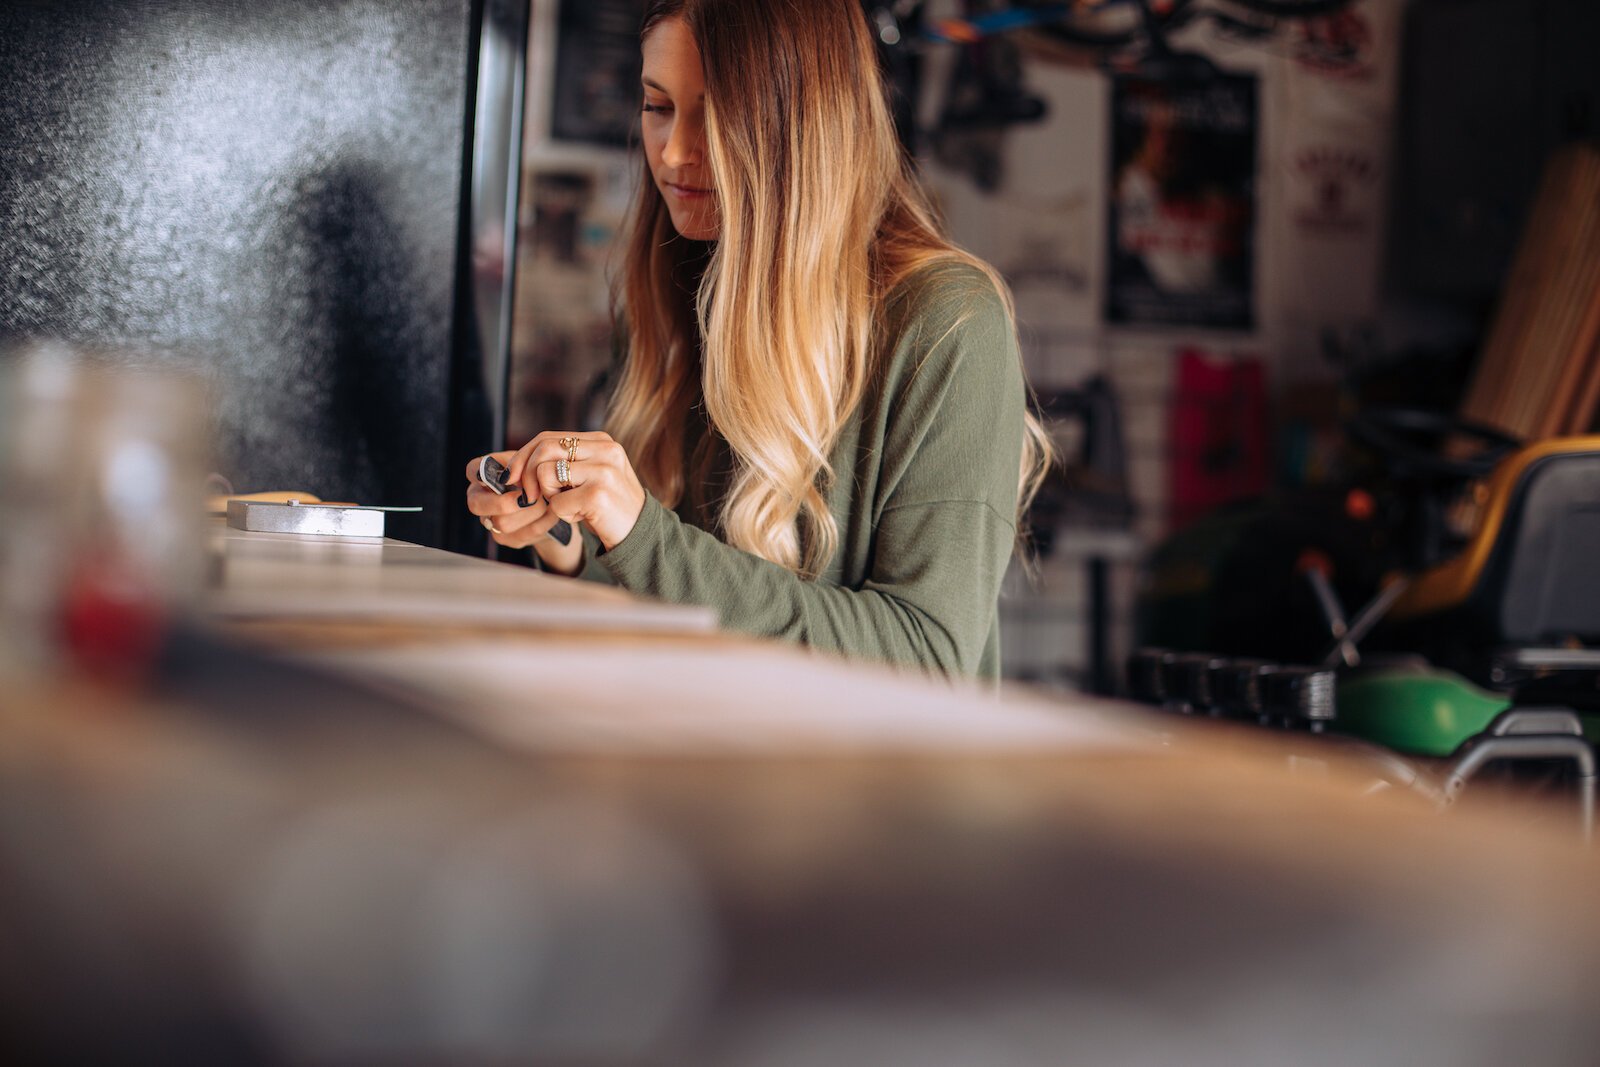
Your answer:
<point x="685" y="144"/>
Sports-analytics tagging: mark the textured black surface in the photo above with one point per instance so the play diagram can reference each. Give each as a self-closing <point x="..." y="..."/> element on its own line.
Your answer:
<point x="268" y="190"/>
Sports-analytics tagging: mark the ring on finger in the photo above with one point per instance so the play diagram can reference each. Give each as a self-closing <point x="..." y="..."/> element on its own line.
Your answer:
<point x="563" y="474"/>
<point x="488" y="524"/>
<point x="571" y="445"/>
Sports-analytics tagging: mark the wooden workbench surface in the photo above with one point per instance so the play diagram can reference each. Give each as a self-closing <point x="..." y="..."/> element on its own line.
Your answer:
<point x="464" y="843"/>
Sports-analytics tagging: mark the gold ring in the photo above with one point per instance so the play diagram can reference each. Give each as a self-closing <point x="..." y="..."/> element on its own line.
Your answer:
<point x="563" y="475"/>
<point x="571" y="445"/>
<point x="488" y="524"/>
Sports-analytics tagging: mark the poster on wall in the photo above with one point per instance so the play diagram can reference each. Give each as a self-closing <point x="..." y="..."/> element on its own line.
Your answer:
<point x="1182" y="202"/>
<point x="1337" y="93"/>
<point x="596" y="97"/>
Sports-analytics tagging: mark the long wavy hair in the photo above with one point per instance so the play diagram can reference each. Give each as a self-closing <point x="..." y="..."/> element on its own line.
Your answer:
<point x="775" y="325"/>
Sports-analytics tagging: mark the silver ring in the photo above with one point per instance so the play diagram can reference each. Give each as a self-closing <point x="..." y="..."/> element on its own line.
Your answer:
<point x="488" y="524"/>
<point x="562" y="474"/>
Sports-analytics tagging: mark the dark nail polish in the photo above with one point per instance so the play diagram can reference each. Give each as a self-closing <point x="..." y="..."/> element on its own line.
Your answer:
<point x="522" y="499"/>
<point x="562" y="532"/>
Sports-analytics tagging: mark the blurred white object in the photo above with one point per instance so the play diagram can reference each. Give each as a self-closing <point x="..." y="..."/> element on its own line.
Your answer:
<point x="102" y="471"/>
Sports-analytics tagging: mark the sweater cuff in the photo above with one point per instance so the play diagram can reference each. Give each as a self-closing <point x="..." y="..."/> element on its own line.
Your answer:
<point x="628" y="559"/>
<point x="592" y="571"/>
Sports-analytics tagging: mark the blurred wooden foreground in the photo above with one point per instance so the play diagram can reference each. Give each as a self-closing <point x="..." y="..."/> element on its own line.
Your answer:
<point x="261" y="860"/>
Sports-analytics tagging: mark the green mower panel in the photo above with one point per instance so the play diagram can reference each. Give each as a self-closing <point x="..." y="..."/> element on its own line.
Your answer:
<point x="1417" y="710"/>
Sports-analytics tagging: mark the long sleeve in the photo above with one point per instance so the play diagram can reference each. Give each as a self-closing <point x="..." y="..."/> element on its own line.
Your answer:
<point x="935" y="465"/>
<point x="592" y="571"/>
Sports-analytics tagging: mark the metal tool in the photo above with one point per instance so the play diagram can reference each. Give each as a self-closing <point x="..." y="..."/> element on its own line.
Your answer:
<point x="494" y="474"/>
<point x="293" y="517"/>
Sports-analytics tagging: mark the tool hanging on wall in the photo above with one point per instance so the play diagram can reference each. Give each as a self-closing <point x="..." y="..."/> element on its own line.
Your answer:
<point x="986" y="96"/>
<point x="1121" y="31"/>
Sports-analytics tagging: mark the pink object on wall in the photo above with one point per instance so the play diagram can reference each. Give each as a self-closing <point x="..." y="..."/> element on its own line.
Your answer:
<point x="1217" y="434"/>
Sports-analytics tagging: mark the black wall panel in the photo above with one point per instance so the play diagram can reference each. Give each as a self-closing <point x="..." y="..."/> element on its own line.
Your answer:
<point x="1489" y="88"/>
<point x="270" y="190"/>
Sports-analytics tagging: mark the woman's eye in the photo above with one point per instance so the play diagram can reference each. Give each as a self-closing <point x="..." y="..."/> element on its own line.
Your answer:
<point x="652" y="109"/>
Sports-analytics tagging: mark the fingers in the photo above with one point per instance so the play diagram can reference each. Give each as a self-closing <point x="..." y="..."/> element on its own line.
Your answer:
<point x="522" y="521"/>
<point x="533" y="485"/>
<point x="524" y="527"/>
<point x="596" y="460"/>
<point x="485" y="503"/>
<point x="576" y="505"/>
<point x="600" y="487"/>
<point x="519" y="459"/>
<point x="481" y="501"/>
<point x="583" y="472"/>
<point x="547" y="446"/>
<point x="550" y="437"/>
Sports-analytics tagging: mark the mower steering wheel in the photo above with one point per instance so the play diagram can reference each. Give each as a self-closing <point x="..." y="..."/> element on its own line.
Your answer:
<point x="1397" y="435"/>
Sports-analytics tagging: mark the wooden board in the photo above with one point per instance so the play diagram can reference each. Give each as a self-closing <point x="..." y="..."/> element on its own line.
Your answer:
<point x="1532" y="378"/>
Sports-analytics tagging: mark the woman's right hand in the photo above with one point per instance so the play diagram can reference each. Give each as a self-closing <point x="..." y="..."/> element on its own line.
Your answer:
<point x="515" y="525"/>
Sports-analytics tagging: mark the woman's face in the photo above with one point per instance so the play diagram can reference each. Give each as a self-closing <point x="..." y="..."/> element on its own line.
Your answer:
<point x="674" y="129"/>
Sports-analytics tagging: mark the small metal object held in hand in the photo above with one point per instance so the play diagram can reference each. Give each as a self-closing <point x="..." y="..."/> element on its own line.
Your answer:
<point x="494" y="476"/>
<point x="492" y="473"/>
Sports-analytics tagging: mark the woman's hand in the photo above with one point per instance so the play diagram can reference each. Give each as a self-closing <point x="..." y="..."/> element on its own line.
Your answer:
<point x="522" y="521"/>
<point x="605" y="495"/>
<point x="601" y="491"/>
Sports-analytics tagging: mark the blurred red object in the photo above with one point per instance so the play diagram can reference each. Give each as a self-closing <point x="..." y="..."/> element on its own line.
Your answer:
<point x="112" y="627"/>
<point x="1217" y="434"/>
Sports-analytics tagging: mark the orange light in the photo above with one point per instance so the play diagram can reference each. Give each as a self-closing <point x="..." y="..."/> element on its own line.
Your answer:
<point x="1314" y="560"/>
<point x="957" y="30"/>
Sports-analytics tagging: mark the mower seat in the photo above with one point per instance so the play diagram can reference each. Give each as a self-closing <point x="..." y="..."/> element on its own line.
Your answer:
<point x="1530" y="574"/>
<point x="1512" y="620"/>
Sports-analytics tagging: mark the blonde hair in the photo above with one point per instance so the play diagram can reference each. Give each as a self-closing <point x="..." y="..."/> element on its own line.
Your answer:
<point x="775" y="326"/>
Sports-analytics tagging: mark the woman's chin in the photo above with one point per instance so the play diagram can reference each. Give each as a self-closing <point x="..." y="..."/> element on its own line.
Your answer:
<point x="696" y="229"/>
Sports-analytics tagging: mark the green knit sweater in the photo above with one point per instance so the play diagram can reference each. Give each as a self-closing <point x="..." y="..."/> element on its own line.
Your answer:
<point x="925" y="497"/>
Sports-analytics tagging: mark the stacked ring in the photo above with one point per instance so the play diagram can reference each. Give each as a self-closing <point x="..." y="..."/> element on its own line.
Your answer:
<point x="562" y="474"/>
<point x="571" y="445"/>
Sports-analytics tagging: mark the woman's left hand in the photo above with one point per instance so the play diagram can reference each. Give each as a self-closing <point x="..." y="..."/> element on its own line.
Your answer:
<point x="604" y="494"/>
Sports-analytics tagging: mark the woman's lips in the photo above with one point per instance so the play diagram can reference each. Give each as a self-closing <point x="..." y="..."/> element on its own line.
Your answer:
<point x="687" y="192"/>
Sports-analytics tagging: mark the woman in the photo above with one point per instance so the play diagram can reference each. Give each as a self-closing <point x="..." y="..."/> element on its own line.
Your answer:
<point x="821" y="426"/>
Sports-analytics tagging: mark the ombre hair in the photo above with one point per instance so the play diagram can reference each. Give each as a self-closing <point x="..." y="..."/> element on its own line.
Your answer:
<point x="776" y="324"/>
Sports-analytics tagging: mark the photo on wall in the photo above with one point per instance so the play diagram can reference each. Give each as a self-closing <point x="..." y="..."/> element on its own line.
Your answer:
<point x="1183" y="202"/>
<point x="595" y="99"/>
